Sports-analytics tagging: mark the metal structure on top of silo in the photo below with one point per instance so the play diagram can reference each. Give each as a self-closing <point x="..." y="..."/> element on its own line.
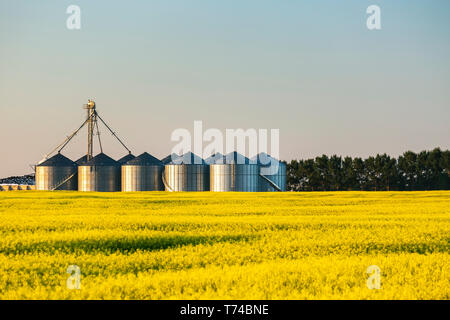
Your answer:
<point x="187" y="172"/>
<point x="233" y="172"/>
<point x="272" y="173"/>
<point x="57" y="173"/>
<point x="143" y="173"/>
<point x="100" y="173"/>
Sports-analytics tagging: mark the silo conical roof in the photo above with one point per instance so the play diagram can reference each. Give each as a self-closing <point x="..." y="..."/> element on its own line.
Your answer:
<point x="236" y="158"/>
<point x="213" y="158"/>
<point x="168" y="159"/>
<point x="144" y="159"/>
<point x="126" y="158"/>
<point x="101" y="160"/>
<point x="233" y="158"/>
<point x="187" y="158"/>
<point x="264" y="159"/>
<point x="58" y="160"/>
<point x="81" y="160"/>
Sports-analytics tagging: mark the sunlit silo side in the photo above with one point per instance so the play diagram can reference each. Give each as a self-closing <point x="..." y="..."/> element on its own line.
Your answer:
<point x="234" y="172"/>
<point x="272" y="173"/>
<point x="57" y="173"/>
<point x="101" y="173"/>
<point x="143" y="173"/>
<point x="188" y="172"/>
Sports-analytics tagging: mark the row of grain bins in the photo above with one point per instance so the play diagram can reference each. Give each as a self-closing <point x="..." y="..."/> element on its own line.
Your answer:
<point x="188" y="172"/>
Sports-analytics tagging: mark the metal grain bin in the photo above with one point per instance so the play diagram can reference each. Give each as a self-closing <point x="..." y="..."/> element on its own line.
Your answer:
<point x="188" y="172"/>
<point x="57" y="173"/>
<point x="234" y="172"/>
<point x="271" y="181"/>
<point x="143" y="173"/>
<point x="101" y="173"/>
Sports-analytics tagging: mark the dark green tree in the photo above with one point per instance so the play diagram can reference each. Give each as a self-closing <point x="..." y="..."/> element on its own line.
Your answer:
<point x="427" y="170"/>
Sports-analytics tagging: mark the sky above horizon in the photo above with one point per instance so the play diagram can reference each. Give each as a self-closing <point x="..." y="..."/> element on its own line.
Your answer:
<point x="311" y="69"/>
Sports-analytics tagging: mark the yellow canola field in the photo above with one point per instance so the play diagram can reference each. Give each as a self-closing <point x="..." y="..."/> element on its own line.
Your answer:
<point x="158" y="245"/>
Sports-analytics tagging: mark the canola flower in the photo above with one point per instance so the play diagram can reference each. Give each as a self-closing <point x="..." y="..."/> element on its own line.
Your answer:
<point x="157" y="245"/>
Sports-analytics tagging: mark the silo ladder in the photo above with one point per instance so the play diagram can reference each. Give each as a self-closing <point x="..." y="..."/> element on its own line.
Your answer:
<point x="64" y="181"/>
<point x="273" y="184"/>
<point x="165" y="181"/>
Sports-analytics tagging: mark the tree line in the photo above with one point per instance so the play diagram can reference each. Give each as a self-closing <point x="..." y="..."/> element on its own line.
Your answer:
<point x="427" y="170"/>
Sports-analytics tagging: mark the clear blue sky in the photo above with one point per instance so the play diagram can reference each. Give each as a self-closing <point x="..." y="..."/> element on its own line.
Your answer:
<point x="310" y="68"/>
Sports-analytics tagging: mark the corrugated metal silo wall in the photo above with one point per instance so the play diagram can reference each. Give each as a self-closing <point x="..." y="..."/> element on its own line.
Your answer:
<point x="279" y="179"/>
<point x="47" y="178"/>
<point x="234" y="177"/>
<point x="99" y="178"/>
<point x="187" y="177"/>
<point x="142" y="178"/>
